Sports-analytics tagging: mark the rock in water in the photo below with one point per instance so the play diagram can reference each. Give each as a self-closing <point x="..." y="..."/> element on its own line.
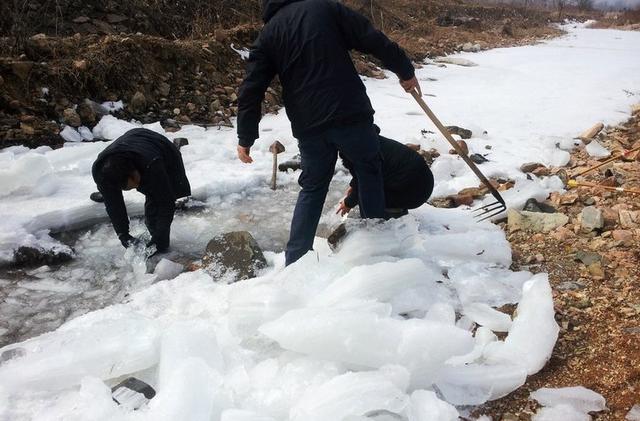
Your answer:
<point x="235" y="253"/>
<point x="30" y="256"/>
<point x="535" y="221"/>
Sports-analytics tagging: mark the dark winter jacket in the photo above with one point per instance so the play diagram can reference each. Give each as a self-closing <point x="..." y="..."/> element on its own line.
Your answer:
<point x="408" y="181"/>
<point x="306" y="43"/>
<point x="162" y="181"/>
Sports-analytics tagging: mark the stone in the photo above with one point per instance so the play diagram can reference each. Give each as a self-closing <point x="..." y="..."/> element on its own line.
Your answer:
<point x="463" y="146"/>
<point x="86" y="113"/>
<point x="596" y="270"/>
<point x="179" y="142"/>
<point x="569" y="198"/>
<point x="562" y="234"/>
<point x="590" y="133"/>
<point x="27" y="129"/>
<point x="429" y="155"/>
<point x="633" y="414"/>
<point x="535" y="221"/>
<point x="81" y="19"/>
<point x="541" y="172"/>
<point x="71" y="117"/>
<point x="475" y="192"/>
<point x="629" y="219"/>
<point x="569" y="286"/>
<point x="336" y="236"/>
<point x="31" y="256"/>
<point x="591" y="219"/>
<point x="623" y="236"/>
<point x="588" y="257"/>
<point x="532" y="205"/>
<point x="235" y="255"/>
<point x="138" y="103"/>
<point x="114" y="19"/>
<point x="478" y="159"/>
<point x="22" y="69"/>
<point x="164" y="89"/>
<point x="462" y="199"/>
<point x="531" y="166"/>
<point x="462" y="132"/>
<point x="80" y="65"/>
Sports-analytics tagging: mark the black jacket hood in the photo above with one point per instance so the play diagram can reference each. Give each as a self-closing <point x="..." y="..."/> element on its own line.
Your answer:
<point x="271" y="7"/>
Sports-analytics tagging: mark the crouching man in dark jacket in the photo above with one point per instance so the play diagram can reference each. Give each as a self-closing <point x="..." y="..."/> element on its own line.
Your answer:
<point x="408" y="181"/>
<point x="307" y="43"/>
<point x="147" y="161"/>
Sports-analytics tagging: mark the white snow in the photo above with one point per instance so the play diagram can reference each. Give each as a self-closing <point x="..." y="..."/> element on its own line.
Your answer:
<point x="368" y="331"/>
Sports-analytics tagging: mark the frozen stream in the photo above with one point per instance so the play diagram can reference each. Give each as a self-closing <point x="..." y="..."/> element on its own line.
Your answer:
<point x="402" y="318"/>
<point x="35" y="301"/>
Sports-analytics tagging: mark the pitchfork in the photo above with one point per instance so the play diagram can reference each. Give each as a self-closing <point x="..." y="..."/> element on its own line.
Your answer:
<point x="483" y="212"/>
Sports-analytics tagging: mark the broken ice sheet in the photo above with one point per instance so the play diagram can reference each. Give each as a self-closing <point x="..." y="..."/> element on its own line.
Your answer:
<point x="579" y="397"/>
<point x="354" y="394"/>
<point x="560" y="413"/>
<point x="484" y="315"/>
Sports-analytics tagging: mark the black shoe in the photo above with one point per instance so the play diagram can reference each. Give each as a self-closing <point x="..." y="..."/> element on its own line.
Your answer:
<point x="96" y="196"/>
<point x="395" y="213"/>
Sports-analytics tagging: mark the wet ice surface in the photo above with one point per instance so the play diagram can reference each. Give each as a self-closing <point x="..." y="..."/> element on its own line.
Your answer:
<point x="38" y="300"/>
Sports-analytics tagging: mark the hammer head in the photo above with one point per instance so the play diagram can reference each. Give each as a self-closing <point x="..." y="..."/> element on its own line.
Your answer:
<point x="276" y="148"/>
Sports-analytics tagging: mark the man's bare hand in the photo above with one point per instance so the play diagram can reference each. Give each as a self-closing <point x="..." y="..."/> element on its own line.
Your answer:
<point x="244" y="154"/>
<point x="411" y="84"/>
<point x="343" y="209"/>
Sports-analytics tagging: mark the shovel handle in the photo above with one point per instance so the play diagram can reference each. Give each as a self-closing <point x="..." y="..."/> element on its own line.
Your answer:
<point x="456" y="146"/>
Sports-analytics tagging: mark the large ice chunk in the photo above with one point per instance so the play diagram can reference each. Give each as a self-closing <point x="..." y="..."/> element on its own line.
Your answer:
<point x="187" y="340"/>
<point x="425" y="406"/>
<point x="380" y="281"/>
<point x="579" y="397"/>
<point x="167" y="269"/>
<point x="353" y="394"/>
<point x="479" y="282"/>
<point x="192" y="391"/>
<point x="486" y="316"/>
<point x="534" y="331"/>
<point x="108" y="348"/>
<point x="243" y="415"/>
<point x="474" y="384"/>
<point x="368" y="339"/>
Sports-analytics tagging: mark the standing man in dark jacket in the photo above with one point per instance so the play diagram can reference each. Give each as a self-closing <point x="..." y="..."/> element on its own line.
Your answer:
<point x="408" y="181"/>
<point x="306" y="43"/>
<point x="149" y="162"/>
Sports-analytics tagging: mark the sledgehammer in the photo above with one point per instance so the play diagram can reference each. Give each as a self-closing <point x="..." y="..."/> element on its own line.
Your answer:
<point x="275" y="148"/>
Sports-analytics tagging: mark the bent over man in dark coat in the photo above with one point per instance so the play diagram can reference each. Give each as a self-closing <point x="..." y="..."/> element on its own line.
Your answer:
<point x="408" y="181"/>
<point x="306" y="43"/>
<point x="149" y="162"/>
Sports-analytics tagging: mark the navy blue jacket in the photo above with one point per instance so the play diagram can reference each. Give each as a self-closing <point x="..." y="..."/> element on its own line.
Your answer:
<point x="307" y="43"/>
<point x="162" y="181"/>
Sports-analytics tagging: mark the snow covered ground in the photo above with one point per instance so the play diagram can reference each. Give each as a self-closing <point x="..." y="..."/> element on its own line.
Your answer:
<point x="377" y="326"/>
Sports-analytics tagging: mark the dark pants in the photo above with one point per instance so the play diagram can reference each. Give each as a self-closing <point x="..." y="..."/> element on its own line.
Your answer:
<point x="359" y="143"/>
<point x="158" y="220"/>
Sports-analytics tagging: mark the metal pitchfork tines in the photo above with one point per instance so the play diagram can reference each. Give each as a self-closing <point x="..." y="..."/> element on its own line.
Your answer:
<point x="482" y="212"/>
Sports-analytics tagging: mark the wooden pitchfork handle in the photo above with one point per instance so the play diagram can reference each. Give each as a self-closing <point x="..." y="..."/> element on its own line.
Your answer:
<point x="457" y="147"/>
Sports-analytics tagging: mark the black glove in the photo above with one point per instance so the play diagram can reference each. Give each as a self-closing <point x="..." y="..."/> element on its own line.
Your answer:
<point x="127" y="240"/>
